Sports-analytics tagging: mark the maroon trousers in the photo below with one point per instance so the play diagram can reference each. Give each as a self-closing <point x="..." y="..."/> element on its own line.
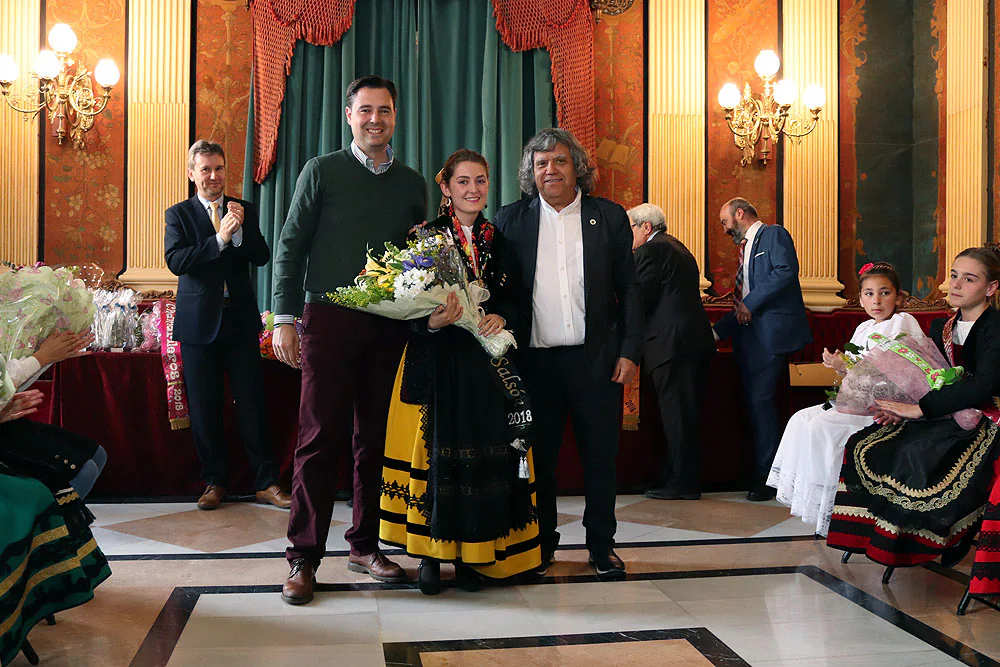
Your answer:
<point x="349" y="363"/>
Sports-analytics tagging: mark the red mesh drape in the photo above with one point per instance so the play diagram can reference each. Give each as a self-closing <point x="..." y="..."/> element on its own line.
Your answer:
<point x="566" y="29"/>
<point x="277" y="25"/>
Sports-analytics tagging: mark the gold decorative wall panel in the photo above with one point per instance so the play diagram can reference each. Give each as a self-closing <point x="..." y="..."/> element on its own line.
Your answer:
<point x="159" y="76"/>
<point x="809" y="56"/>
<point x="19" y="27"/>
<point x="965" y="155"/>
<point x="676" y="155"/>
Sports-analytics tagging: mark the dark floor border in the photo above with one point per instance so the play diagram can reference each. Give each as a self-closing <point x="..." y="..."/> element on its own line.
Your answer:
<point x="166" y="630"/>
<point x="407" y="654"/>
<point x="399" y="552"/>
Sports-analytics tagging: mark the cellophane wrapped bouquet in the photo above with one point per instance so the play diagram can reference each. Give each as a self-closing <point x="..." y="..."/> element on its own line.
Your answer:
<point x="38" y="301"/>
<point x="899" y="368"/>
<point x="409" y="283"/>
<point x="116" y="319"/>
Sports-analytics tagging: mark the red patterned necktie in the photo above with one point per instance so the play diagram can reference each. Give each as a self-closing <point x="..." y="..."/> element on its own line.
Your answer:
<point x="738" y="289"/>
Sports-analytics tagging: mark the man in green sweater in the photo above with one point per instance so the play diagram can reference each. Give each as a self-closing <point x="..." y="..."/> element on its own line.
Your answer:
<point x="344" y="202"/>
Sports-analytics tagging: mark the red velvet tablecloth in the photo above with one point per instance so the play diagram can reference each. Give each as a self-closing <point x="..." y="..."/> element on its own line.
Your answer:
<point x="120" y="401"/>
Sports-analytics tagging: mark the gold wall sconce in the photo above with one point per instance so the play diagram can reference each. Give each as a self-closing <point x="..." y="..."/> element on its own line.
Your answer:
<point x="767" y="118"/>
<point x="60" y="86"/>
<point x="609" y="7"/>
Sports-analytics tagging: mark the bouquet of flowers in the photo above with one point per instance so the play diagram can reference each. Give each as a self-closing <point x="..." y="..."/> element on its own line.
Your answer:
<point x="899" y="368"/>
<point x="409" y="283"/>
<point x="38" y="301"/>
<point x="7" y="388"/>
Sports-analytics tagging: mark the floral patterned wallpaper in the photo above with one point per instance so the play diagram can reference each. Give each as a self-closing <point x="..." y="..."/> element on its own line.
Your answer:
<point x="84" y="212"/>
<point x="737" y="31"/>
<point x="222" y="80"/>
<point x="619" y="44"/>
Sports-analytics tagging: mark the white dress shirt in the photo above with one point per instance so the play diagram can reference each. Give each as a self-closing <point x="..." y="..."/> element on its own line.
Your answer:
<point x="557" y="298"/>
<point x="751" y="235"/>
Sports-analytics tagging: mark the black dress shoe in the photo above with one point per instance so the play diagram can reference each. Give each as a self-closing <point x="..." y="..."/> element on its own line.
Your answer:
<point x="548" y="557"/>
<point x="429" y="577"/>
<point x="467" y="578"/>
<point x="672" y="493"/>
<point x="761" y="492"/>
<point x="607" y="563"/>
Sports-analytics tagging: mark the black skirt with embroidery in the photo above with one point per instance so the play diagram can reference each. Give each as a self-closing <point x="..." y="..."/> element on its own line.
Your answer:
<point x="473" y="490"/>
<point x="909" y="491"/>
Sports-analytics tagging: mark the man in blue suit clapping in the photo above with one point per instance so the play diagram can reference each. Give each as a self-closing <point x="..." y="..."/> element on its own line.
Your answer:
<point x="767" y="323"/>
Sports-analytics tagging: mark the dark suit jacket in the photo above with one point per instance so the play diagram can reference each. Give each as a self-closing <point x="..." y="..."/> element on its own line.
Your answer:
<point x="192" y="253"/>
<point x="775" y="298"/>
<point x="613" y="310"/>
<point x="981" y="360"/>
<point x="676" y="322"/>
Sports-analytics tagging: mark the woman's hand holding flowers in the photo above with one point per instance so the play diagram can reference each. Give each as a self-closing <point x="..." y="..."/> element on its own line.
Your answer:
<point x="491" y="324"/>
<point x="60" y="346"/>
<point x="445" y="315"/>
<point x="835" y="361"/>
<point x="894" y="412"/>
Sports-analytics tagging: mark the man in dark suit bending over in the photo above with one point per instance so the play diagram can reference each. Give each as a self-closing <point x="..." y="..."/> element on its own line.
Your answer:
<point x="677" y="347"/>
<point x="767" y="323"/>
<point x="579" y="323"/>
<point x="210" y="242"/>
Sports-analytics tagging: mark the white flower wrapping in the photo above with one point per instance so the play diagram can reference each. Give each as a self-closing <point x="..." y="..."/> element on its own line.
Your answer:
<point x="416" y="301"/>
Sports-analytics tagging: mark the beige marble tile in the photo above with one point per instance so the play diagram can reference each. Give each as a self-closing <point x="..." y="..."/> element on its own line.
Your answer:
<point x="674" y="652"/>
<point x="707" y="514"/>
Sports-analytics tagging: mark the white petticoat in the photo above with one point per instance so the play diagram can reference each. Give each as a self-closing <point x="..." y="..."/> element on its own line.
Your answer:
<point x="806" y="468"/>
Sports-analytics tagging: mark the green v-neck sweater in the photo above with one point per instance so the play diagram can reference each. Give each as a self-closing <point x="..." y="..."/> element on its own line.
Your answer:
<point x="340" y="209"/>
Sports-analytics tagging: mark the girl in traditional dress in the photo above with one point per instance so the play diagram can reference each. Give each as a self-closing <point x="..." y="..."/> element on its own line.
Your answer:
<point x="452" y="486"/>
<point x="807" y="465"/>
<point x="913" y="490"/>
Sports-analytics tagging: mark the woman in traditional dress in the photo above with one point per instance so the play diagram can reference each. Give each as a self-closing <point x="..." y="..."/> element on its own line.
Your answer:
<point x="58" y="458"/>
<point x="806" y="467"/>
<point x="911" y="491"/>
<point x="454" y="489"/>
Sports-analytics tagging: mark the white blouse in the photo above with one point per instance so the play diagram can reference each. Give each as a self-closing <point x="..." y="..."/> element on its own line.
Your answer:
<point x="898" y="323"/>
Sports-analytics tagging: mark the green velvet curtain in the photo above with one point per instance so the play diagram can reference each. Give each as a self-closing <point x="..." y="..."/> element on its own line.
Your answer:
<point x="461" y="87"/>
<point x="476" y="93"/>
<point x="382" y="39"/>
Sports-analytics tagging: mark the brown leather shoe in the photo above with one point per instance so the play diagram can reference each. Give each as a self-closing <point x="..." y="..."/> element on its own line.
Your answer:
<point x="377" y="566"/>
<point x="275" y="496"/>
<point x="298" y="588"/>
<point x="212" y="498"/>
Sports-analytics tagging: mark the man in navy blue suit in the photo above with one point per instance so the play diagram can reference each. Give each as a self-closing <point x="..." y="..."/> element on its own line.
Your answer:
<point x="210" y="241"/>
<point x="768" y="322"/>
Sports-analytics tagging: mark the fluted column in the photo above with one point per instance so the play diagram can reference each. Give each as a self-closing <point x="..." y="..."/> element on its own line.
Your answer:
<point x="159" y="75"/>
<point x="19" y="24"/>
<point x="809" y="55"/>
<point x="677" y="120"/>
<point x="966" y="91"/>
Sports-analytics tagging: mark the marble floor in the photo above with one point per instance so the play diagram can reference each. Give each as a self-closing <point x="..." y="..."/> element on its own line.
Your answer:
<point x="718" y="581"/>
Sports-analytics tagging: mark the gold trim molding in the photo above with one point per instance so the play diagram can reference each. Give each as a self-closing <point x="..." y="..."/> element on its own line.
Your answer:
<point x="159" y="76"/>
<point x="19" y="138"/>
<point x="676" y="151"/>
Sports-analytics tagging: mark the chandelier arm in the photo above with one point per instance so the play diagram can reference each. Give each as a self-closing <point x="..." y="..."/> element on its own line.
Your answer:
<point x="751" y="132"/>
<point x="32" y="112"/>
<point x="809" y="128"/>
<point x="94" y="110"/>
